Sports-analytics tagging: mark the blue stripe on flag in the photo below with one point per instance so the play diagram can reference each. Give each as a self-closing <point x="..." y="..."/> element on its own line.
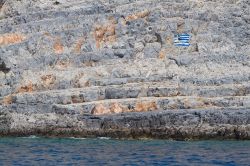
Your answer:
<point x="183" y="40"/>
<point x="182" y="44"/>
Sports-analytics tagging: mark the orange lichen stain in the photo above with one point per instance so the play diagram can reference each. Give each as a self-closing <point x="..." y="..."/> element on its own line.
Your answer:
<point x="48" y="80"/>
<point x="99" y="35"/>
<point x="162" y="54"/>
<point x="78" y="45"/>
<point x="58" y="46"/>
<point x="11" y="38"/>
<point x="145" y="106"/>
<point x="138" y="15"/>
<point x="100" y="109"/>
<point x="26" y="88"/>
<point x="113" y="108"/>
<point x="105" y="33"/>
<point x="116" y="108"/>
<point x="7" y="100"/>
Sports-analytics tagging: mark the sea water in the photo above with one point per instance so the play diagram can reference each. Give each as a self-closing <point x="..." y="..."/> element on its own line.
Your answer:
<point x="104" y="151"/>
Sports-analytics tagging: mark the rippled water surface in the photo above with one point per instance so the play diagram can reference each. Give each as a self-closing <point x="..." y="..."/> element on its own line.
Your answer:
<point x="41" y="151"/>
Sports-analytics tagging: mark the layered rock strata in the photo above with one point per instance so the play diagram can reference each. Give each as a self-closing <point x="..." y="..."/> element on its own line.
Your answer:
<point x="110" y="68"/>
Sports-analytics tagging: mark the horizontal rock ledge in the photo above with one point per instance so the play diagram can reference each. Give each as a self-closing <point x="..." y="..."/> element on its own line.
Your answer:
<point x="169" y="124"/>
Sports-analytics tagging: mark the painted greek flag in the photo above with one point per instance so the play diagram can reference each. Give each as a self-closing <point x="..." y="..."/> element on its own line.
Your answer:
<point x="182" y="40"/>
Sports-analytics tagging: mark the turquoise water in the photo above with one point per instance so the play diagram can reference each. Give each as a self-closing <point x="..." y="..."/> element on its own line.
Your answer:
<point x="42" y="151"/>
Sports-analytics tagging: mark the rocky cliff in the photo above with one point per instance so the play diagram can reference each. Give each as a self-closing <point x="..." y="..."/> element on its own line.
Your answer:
<point x="110" y="68"/>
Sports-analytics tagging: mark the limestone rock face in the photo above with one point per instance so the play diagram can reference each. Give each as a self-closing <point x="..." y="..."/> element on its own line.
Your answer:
<point x="102" y="61"/>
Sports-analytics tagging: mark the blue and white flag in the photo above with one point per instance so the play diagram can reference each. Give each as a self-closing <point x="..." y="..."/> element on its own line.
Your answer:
<point x="182" y="40"/>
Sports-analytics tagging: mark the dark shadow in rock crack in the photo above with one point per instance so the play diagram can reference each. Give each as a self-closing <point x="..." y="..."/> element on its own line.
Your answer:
<point x="3" y="68"/>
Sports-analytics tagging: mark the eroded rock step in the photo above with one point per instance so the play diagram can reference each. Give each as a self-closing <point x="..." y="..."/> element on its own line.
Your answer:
<point x="42" y="101"/>
<point x="130" y="90"/>
<point x="81" y="77"/>
<point x="185" y="124"/>
<point x="124" y="72"/>
<point x="48" y="81"/>
<point x="151" y="104"/>
<point x="190" y="59"/>
<point x="80" y="53"/>
<point x="58" y="22"/>
<point x="137" y="71"/>
<point x="55" y="24"/>
<point x="86" y="8"/>
<point x="140" y="104"/>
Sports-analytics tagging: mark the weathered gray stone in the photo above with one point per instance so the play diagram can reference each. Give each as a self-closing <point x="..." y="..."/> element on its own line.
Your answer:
<point x="176" y="124"/>
<point x="62" y="62"/>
